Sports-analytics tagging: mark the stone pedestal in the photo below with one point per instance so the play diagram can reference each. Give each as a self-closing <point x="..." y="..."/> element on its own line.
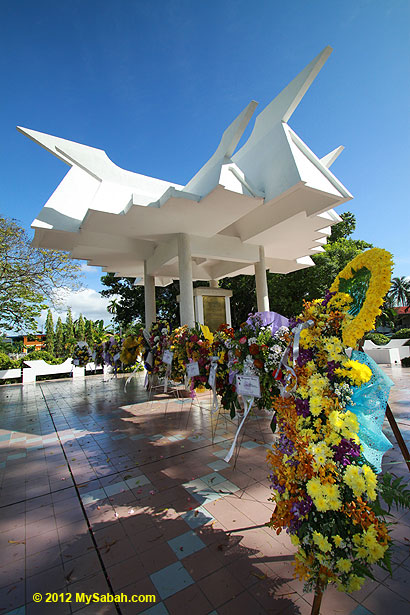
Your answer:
<point x="78" y="372"/>
<point x="29" y="375"/>
<point x="212" y="306"/>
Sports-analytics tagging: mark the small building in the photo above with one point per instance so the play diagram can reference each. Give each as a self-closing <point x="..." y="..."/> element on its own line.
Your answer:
<point x="30" y="342"/>
<point x="403" y="316"/>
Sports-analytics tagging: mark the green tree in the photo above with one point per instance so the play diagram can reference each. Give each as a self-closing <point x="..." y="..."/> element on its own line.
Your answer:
<point x="59" y="339"/>
<point x="29" y="277"/>
<point x="399" y="292"/>
<point x="101" y="332"/>
<point x="80" y="330"/>
<point x="89" y="332"/>
<point x="127" y="303"/>
<point x="288" y="291"/>
<point x="69" y="338"/>
<point x="49" y="333"/>
<point x="128" y="300"/>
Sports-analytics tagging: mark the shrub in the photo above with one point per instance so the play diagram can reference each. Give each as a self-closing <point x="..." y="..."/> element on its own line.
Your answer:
<point x="405" y="362"/>
<point x="378" y="338"/>
<point x="401" y="334"/>
<point x="6" y="362"/>
<point x="42" y="354"/>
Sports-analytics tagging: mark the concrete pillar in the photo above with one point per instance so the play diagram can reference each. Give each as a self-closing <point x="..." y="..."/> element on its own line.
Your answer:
<point x="186" y="296"/>
<point x="214" y="283"/>
<point x="261" y="282"/>
<point x="149" y="298"/>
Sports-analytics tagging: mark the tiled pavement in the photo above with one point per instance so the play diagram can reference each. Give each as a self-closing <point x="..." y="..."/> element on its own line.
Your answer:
<point x="104" y="491"/>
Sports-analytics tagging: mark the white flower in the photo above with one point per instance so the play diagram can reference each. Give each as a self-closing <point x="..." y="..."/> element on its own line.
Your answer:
<point x="281" y="332"/>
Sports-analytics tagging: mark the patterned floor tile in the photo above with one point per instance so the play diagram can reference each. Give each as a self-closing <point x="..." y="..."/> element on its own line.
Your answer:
<point x="218" y="465"/>
<point x="212" y="479"/>
<point x="197" y="518"/>
<point x="59" y="420"/>
<point x="171" y="580"/>
<point x="158" y="609"/>
<point x="250" y="444"/>
<point x="186" y="544"/>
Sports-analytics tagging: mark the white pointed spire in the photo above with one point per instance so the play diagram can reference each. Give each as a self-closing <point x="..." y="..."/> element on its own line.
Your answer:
<point x="54" y="145"/>
<point x="207" y="177"/>
<point x="329" y="159"/>
<point x="282" y="107"/>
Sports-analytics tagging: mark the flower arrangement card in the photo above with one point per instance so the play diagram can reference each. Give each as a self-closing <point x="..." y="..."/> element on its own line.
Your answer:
<point x="192" y="369"/>
<point x="167" y="357"/>
<point x="248" y="385"/>
<point x="212" y="375"/>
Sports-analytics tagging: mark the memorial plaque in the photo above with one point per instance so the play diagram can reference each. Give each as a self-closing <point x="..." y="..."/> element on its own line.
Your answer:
<point x="214" y="311"/>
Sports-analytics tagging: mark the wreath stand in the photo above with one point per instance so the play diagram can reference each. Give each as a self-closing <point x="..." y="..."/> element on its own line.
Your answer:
<point x="317" y="601"/>
<point x="397" y="434"/>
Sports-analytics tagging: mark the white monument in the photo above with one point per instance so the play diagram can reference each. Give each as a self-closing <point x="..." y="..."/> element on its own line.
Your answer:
<point x="267" y="206"/>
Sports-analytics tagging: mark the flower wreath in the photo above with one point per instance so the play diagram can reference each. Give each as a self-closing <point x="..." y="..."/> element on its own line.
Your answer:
<point x="81" y="354"/>
<point x="370" y="273"/>
<point x="326" y="492"/>
<point x="132" y="348"/>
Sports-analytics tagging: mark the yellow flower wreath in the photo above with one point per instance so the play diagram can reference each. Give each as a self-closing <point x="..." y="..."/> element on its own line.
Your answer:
<point x="379" y="263"/>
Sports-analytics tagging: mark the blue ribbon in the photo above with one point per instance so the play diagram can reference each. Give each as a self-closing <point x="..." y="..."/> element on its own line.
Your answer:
<point x="369" y="405"/>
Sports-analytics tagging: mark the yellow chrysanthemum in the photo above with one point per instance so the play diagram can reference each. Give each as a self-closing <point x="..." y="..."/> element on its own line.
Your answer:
<point x="355" y="583"/>
<point x="361" y="480"/>
<point x="344" y="565"/>
<point x="356" y="372"/>
<point x="379" y="263"/>
<point x="322" y="542"/>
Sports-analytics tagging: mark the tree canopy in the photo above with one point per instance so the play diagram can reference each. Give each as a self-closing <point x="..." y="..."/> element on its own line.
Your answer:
<point x="286" y="292"/>
<point x="49" y="333"/>
<point x="399" y="292"/>
<point x="29" y="277"/>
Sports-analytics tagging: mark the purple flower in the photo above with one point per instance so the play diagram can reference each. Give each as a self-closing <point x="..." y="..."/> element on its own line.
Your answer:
<point x="302" y="407"/>
<point x="293" y="322"/>
<point x="305" y="355"/>
<point x="275" y="484"/>
<point x="331" y="366"/>
<point x="346" y="451"/>
<point x="285" y="445"/>
<point x="327" y="297"/>
<point x="299" y="510"/>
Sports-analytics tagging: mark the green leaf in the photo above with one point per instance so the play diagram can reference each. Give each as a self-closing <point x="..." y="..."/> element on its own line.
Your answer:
<point x="273" y="423"/>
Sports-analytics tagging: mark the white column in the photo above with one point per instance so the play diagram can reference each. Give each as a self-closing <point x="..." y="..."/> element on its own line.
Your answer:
<point x="214" y="283"/>
<point x="149" y="298"/>
<point x="261" y="282"/>
<point x="228" y="311"/>
<point x="186" y="294"/>
<point x="199" y="309"/>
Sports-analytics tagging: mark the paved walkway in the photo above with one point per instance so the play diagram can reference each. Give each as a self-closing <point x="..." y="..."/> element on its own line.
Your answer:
<point x="103" y="491"/>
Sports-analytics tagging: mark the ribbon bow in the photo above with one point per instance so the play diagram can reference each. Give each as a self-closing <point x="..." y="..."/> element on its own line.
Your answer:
<point x="295" y="354"/>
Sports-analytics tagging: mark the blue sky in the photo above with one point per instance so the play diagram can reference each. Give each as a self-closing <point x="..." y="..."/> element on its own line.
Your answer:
<point x="155" y="83"/>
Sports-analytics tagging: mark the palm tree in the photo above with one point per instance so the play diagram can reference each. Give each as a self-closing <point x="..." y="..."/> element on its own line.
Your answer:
<point x="400" y="291"/>
<point x="112" y="308"/>
<point x="101" y="333"/>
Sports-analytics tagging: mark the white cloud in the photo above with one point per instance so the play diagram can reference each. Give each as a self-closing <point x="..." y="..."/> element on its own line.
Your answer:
<point x="88" y="268"/>
<point x="87" y="302"/>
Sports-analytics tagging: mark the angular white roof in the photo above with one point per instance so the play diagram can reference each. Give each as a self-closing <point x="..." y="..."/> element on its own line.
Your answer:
<point x="273" y="192"/>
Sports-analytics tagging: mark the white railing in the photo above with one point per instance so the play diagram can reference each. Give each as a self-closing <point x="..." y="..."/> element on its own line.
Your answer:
<point x="10" y="374"/>
<point x="391" y="353"/>
<point x="32" y="369"/>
